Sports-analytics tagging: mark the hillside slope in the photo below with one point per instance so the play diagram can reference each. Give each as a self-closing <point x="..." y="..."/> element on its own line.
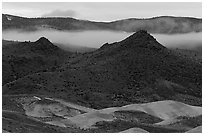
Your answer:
<point x="23" y="58"/>
<point x="135" y="70"/>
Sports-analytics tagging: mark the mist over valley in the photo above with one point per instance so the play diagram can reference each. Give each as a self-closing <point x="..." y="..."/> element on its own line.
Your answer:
<point x="96" y="38"/>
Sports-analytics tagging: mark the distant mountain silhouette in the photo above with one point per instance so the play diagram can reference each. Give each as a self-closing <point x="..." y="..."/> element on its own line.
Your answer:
<point x="137" y="69"/>
<point x="161" y="24"/>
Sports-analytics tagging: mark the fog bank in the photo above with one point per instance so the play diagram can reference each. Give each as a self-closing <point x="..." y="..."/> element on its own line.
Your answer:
<point x="95" y="39"/>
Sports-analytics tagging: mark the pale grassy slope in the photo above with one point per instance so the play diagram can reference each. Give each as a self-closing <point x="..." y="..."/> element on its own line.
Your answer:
<point x="4" y="131"/>
<point x="87" y="120"/>
<point x="82" y="108"/>
<point x="134" y="130"/>
<point x="38" y="110"/>
<point x="167" y="122"/>
<point x="56" y="123"/>
<point x="165" y="110"/>
<point x="195" y="130"/>
<point x="83" y="117"/>
<point x="35" y="107"/>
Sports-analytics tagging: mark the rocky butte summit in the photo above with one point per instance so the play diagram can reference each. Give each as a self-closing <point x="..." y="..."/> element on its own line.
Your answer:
<point x="141" y="39"/>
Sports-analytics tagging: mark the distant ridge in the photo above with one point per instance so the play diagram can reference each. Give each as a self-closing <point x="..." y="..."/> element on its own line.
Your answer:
<point x="161" y="24"/>
<point x="139" y="18"/>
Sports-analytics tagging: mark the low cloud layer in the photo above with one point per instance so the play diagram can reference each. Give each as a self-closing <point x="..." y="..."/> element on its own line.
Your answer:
<point x="60" y="13"/>
<point x="95" y="39"/>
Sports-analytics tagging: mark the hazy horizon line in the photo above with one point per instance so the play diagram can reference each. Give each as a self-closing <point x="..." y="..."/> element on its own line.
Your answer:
<point x="140" y="18"/>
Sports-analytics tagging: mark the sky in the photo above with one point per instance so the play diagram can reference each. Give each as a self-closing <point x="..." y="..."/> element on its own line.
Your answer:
<point x="103" y="11"/>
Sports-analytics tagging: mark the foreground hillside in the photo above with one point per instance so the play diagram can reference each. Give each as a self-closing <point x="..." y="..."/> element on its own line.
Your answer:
<point x="136" y="84"/>
<point x="44" y="114"/>
<point x="163" y="24"/>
